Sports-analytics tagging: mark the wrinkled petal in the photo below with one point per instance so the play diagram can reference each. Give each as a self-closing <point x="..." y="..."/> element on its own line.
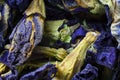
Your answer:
<point x="46" y="72"/>
<point x="80" y="32"/>
<point x="26" y="35"/>
<point x="104" y="40"/>
<point x="88" y="73"/>
<point x="106" y="57"/>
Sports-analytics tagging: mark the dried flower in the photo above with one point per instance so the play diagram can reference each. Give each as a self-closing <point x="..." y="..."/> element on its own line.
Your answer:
<point x="27" y="34"/>
<point x="74" y="61"/>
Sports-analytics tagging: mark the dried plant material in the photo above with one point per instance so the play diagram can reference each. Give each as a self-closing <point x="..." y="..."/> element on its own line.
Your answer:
<point x="59" y="54"/>
<point x="74" y="61"/>
<point x="26" y="35"/>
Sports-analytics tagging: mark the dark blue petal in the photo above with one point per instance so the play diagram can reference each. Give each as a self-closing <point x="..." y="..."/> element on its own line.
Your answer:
<point x="106" y="57"/>
<point x="88" y="73"/>
<point x="104" y="40"/>
<point x="46" y="72"/>
<point x="80" y="32"/>
<point x="18" y="4"/>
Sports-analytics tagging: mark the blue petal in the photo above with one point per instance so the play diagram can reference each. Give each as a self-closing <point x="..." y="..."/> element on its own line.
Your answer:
<point x="80" y="32"/>
<point x="46" y="72"/>
<point x="106" y="57"/>
<point x="88" y="73"/>
<point x="104" y="40"/>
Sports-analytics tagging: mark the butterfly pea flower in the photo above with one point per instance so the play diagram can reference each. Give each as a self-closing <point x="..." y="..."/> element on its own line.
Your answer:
<point x="74" y="61"/>
<point x="106" y="57"/>
<point x="46" y="72"/>
<point x="27" y="33"/>
<point x="88" y="73"/>
<point x="59" y="54"/>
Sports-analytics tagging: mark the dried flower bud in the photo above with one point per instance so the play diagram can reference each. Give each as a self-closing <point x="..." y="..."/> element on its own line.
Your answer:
<point x="74" y="61"/>
<point x="27" y="34"/>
